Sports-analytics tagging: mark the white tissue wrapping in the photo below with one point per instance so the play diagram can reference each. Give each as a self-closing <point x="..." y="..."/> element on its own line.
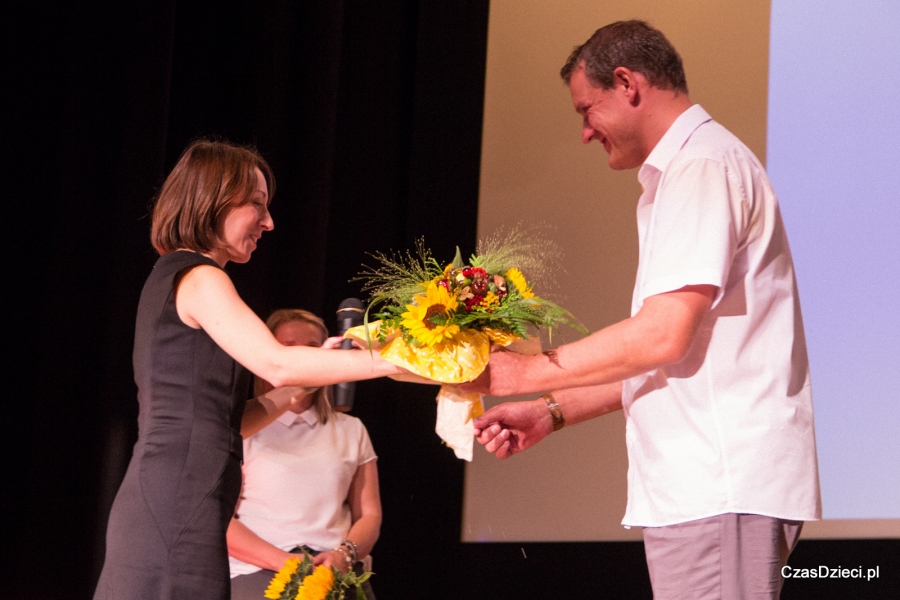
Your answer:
<point x="455" y="412"/>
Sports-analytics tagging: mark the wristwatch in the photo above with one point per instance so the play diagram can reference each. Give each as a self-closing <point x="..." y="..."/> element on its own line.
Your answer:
<point x="559" y="420"/>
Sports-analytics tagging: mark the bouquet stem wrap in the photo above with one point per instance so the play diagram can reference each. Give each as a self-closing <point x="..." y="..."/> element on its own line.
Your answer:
<point x="457" y="360"/>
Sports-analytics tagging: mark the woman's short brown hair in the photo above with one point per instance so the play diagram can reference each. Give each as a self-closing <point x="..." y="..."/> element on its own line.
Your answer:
<point x="322" y="400"/>
<point x="209" y="177"/>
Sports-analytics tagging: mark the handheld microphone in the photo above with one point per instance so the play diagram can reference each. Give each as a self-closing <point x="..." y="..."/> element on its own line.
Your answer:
<point x="349" y="314"/>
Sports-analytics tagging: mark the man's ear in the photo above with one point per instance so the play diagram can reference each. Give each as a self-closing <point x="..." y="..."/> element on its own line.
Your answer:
<point x="628" y="83"/>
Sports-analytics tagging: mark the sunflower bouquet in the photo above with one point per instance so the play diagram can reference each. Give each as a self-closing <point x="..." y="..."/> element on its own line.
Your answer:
<point x="299" y="579"/>
<point x="439" y="320"/>
<point x="428" y="309"/>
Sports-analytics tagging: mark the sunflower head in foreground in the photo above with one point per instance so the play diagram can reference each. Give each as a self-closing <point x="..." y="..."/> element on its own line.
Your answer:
<point x="317" y="585"/>
<point x="300" y="579"/>
<point x="282" y="578"/>
<point x="428" y="318"/>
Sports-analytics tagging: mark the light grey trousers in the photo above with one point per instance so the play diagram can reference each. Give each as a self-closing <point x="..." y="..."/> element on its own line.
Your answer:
<point x="725" y="557"/>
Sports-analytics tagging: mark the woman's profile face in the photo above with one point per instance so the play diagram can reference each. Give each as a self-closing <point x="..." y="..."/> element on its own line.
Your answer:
<point x="244" y="224"/>
<point x="299" y="333"/>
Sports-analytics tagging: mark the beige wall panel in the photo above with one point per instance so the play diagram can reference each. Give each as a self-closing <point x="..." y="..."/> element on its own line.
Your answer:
<point x="534" y="168"/>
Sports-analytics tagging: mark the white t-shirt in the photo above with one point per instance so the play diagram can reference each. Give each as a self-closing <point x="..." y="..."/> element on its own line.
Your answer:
<point x="729" y="429"/>
<point x="297" y="474"/>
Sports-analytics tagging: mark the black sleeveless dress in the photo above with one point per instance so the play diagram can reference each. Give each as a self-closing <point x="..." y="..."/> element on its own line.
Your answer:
<point x="166" y="533"/>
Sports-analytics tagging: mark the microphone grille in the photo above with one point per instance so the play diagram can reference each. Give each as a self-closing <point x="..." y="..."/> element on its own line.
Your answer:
<point x="351" y="304"/>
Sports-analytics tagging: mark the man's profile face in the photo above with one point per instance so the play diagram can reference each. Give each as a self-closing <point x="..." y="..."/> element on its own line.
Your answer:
<point x="607" y="118"/>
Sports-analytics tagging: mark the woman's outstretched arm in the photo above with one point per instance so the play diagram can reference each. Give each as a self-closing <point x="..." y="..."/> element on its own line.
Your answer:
<point x="207" y="299"/>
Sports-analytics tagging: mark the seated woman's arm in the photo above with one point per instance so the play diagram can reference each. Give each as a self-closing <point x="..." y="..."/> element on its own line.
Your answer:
<point x="262" y="410"/>
<point x="248" y="547"/>
<point x="365" y="509"/>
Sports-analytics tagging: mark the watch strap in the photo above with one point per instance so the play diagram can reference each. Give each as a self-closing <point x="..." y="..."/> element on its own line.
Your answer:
<point x="555" y="411"/>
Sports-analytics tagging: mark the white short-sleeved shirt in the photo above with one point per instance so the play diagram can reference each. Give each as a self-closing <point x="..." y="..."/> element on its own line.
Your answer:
<point x="297" y="474"/>
<point x="730" y="427"/>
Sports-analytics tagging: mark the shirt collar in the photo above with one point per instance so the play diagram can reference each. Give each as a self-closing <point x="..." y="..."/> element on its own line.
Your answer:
<point x="674" y="138"/>
<point x="288" y="418"/>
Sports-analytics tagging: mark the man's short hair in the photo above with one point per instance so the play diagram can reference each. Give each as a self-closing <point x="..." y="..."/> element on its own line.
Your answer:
<point x="634" y="45"/>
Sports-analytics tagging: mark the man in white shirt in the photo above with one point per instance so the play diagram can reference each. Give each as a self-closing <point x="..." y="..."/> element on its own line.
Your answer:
<point x="711" y="368"/>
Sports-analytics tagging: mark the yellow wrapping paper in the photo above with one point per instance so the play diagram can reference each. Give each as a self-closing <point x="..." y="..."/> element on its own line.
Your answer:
<point x="457" y="361"/>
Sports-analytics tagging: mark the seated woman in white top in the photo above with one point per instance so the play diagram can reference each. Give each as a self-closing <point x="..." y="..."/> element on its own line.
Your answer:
<point x="310" y="480"/>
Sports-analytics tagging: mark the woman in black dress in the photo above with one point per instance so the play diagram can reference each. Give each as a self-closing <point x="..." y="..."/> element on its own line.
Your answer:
<point x="194" y="337"/>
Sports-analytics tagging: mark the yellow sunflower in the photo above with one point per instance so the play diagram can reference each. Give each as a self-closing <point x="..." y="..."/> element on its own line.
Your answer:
<point x="317" y="584"/>
<point x="518" y="280"/>
<point x="281" y="579"/>
<point x="425" y="318"/>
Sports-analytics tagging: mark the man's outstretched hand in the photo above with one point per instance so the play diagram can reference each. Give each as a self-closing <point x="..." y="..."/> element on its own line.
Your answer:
<point x="502" y="375"/>
<point x="512" y="427"/>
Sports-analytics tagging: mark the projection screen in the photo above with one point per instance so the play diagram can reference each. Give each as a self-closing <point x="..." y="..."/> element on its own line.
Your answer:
<point x="811" y="87"/>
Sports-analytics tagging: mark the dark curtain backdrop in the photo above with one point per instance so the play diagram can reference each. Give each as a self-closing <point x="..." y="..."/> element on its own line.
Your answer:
<point x="370" y="113"/>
